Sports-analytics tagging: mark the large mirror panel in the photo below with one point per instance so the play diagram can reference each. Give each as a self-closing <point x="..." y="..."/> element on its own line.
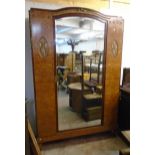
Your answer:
<point x="79" y="66"/>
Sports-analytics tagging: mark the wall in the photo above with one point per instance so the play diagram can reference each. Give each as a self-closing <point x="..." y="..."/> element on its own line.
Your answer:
<point x="79" y="3"/>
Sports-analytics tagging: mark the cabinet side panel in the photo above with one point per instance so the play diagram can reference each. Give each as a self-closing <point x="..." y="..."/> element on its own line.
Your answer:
<point x="113" y="70"/>
<point x="42" y="42"/>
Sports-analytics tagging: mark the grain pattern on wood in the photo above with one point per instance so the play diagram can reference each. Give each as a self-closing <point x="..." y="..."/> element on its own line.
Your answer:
<point x="44" y="71"/>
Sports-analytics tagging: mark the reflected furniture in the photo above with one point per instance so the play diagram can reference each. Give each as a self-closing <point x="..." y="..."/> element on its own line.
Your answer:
<point x="68" y="60"/>
<point x="75" y="96"/>
<point x="62" y="72"/>
<point x="61" y="59"/>
<point x="93" y="82"/>
<point x="73" y="77"/>
<point x="92" y="106"/>
<point x="91" y="102"/>
<point x="42" y="32"/>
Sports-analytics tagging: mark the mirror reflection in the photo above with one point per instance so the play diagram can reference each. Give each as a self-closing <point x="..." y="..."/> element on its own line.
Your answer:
<point x="79" y="60"/>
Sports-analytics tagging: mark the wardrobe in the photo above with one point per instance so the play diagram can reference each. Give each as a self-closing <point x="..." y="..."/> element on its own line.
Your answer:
<point x="47" y="32"/>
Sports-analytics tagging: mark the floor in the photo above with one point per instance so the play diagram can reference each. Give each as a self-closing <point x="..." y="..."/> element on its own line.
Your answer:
<point x="67" y="119"/>
<point x="99" y="144"/>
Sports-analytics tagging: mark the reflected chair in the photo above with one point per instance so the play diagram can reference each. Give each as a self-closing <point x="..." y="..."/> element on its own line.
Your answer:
<point x="93" y="82"/>
<point x="91" y="103"/>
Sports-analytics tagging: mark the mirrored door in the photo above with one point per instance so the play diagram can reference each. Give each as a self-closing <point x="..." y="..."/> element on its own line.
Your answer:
<point x="79" y="71"/>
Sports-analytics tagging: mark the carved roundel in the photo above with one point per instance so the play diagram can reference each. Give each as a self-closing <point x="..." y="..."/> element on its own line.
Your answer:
<point x="43" y="47"/>
<point x="114" y="48"/>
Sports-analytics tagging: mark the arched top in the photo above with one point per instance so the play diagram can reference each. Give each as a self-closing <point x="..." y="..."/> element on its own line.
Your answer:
<point x="68" y="11"/>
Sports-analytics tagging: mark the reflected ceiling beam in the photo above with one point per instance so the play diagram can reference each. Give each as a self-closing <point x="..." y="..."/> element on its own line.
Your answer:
<point x="68" y="23"/>
<point x="62" y="36"/>
<point x="82" y="29"/>
<point x="64" y="29"/>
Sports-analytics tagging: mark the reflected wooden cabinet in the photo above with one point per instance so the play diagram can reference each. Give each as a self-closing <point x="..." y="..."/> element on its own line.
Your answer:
<point x="46" y="26"/>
